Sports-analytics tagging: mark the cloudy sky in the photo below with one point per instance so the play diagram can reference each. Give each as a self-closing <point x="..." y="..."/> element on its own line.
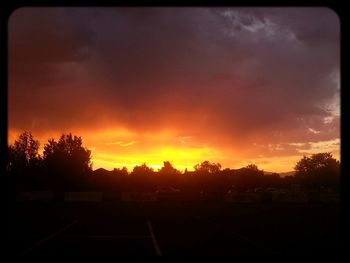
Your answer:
<point x="228" y="85"/>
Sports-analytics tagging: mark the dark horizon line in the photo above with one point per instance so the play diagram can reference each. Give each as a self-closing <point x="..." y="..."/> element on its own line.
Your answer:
<point x="232" y="169"/>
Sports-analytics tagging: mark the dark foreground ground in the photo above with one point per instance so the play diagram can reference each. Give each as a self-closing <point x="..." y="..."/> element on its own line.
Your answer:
<point x="138" y="229"/>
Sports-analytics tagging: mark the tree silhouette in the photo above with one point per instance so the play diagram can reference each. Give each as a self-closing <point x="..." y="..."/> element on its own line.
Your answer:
<point x="207" y="167"/>
<point x="168" y="169"/>
<point x="250" y="176"/>
<point x="122" y="172"/>
<point x="23" y="153"/>
<point x="65" y="164"/>
<point x="252" y="167"/>
<point x="142" y="170"/>
<point x="318" y="169"/>
<point x="67" y="159"/>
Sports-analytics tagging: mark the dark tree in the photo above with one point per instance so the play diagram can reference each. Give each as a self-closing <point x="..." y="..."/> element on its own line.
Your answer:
<point x="252" y="167"/>
<point x="122" y="172"/>
<point x="67" y="159"/>
<point x="250" y="176"/>
<point x="142" y="170"/>
<point x="168" y="169"/>
<point x="319" y="169"/>
<point x="208" y="167"/>
<point x="24" y="162"/>
<point x="23" y="153"/>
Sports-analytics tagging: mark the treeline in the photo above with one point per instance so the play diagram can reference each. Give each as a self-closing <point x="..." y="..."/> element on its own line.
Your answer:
<point x="66" y="165"/>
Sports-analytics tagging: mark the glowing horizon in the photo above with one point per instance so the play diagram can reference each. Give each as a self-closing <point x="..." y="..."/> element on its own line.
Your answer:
<point x="181" y="156"/>
<point x="146" y="85"/>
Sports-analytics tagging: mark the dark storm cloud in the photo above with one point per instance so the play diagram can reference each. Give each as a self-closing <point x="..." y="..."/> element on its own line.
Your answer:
<point x="246" y="72"/>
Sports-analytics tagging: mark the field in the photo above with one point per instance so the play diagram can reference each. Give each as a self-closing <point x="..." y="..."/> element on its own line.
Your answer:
<point x="173" y="228"/>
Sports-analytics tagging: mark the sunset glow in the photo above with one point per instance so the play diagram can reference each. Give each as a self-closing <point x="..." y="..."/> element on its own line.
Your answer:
<point x="229" y="85"/>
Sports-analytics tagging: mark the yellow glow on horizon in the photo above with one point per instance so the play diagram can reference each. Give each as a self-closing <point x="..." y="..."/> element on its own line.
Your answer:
<point x="275" y="164"/>
<point x="117" y="147"/>
<point x="181" y="158"/>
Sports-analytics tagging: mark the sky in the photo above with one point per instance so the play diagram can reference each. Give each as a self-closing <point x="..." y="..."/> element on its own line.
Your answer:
<point x="146" y="85"/>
